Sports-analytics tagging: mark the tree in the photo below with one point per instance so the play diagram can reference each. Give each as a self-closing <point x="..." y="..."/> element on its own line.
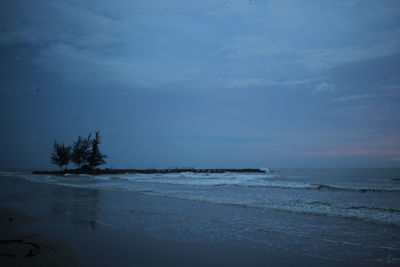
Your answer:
<point x="61" y="154"/>
<point x="81" y="150"/>
<point x="96" y="158"/>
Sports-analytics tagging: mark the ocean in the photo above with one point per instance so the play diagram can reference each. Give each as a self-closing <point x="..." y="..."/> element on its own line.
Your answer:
<point x="351" y="216"/>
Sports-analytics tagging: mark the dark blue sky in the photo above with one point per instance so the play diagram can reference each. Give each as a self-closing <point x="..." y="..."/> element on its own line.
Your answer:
<point x="221" y="83"/>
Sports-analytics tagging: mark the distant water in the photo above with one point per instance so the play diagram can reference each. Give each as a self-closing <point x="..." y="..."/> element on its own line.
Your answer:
<point x="349" y="215"/>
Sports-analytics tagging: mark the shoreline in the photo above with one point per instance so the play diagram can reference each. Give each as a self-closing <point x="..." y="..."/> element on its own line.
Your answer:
<point x="96" y="244"/>
<point x="146" y="171"/>
<point x="107" y="247"/>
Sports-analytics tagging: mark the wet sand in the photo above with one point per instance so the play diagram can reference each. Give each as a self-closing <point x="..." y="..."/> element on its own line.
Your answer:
<point x="19" y="248"/>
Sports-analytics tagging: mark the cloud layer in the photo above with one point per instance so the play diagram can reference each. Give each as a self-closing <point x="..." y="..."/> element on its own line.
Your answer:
<point x="280" y="82"/>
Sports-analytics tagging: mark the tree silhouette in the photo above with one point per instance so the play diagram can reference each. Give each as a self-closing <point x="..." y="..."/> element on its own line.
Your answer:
<point x="96" y="158"/>
<point x="81" y="150"/>
<point x="61" y="154"/>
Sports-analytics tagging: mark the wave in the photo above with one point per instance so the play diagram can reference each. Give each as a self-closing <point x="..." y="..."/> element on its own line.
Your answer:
<point x="281" y="185"/>
<point x="215" y="180"/>
<point x="340" y="242"/>
<point x="361" y="190"/>
<point x="250" y="181"/>
<point x="389" y="210"/>
<point x="323" y="203"/>
<point x="359" y="244"/>
<point x="378" y="215"/>
<point x="388" y="216"/>
<point x="321" y="187"/>
<point x="371" y="214"/>
<point x="118" y="178"/>
<point x="243" y="180"/>
<point x="6" y="173"/>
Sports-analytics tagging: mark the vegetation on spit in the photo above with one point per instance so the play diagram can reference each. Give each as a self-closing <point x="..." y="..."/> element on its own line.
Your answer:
<point x="145" y="171"/>
<point x="84" y="153"/>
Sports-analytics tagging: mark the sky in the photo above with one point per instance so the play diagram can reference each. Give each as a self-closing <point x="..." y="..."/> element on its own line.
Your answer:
<point x="202" y="83"/>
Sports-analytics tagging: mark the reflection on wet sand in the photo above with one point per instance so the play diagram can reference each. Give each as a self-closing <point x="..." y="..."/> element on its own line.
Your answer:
<point x="81" y="205"/>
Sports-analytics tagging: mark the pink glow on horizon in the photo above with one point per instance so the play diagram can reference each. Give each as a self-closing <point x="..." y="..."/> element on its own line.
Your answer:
<point x="354" y="152"/>
<point x="396" y="159"/>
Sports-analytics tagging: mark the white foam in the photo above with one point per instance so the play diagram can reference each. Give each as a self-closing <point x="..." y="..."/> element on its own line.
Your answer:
<point x="282" y="200"/>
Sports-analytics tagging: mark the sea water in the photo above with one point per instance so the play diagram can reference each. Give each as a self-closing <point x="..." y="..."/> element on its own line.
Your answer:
<point x="348" y="215"/>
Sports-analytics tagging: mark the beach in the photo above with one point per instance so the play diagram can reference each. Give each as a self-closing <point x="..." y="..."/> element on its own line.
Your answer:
<point x="17" y="248"/>
<point x="90" y="221"/>
<point x="199" y="133"/>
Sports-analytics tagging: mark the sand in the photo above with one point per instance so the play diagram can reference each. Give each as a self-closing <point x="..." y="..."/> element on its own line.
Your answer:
<point x="18" y="248"/>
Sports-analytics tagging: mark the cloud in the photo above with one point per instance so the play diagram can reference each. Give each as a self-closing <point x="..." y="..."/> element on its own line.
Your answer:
<point x="353" y="97"/>
<point x="365" y="96"/>
<point x="393" y="88"/>
<point x="371" y="141"/>
<point x="231" y="7"/>
<point x="63" y="22"/>
<point x="158" y="43"/>
<point x="325" y="87"/>
<point x="78" y="43"/>
<point x="81" y="67"/>
<point x="325" y="59"/>
<point x="383" y="92"/>
<point x="220" y="138"/>
<point x="312" y="59"/>
<point x="360" y="151"/>
<point x="258" y="82"/>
